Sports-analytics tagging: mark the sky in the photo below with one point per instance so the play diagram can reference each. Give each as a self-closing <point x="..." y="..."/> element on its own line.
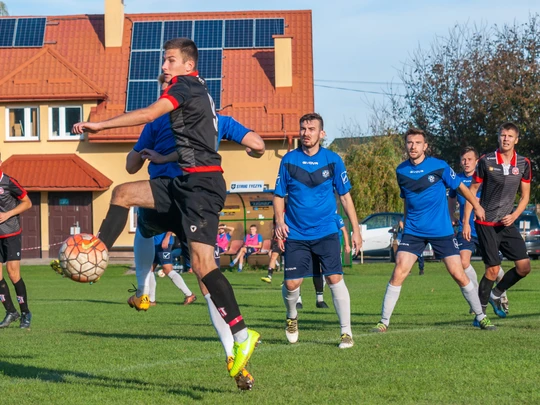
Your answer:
<point x="359" y="45"/>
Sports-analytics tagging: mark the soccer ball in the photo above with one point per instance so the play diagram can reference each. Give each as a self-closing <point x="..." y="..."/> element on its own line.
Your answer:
<point x="83" y="258"/>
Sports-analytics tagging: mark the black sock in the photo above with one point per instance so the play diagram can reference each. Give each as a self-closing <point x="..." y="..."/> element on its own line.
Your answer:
<point x="270" y="272"/>
<point x="318" y="283"/>
<point x="510" y="278"/>
<point x="5" y="297"/>
<point x="20" y="289"/>
<point x="222" y="295"/>
<point x="113" y="225"/>
<point x="484" y="289"/>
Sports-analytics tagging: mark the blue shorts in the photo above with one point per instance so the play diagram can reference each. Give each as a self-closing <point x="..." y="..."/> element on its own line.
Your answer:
<point x="301" y="254"/>
<point x="443" y="247"/>
<point x="163" y="256"/>
<point x="464" y="244"/>
<point x="250" y="251"/>
<point x="217" y="254"/>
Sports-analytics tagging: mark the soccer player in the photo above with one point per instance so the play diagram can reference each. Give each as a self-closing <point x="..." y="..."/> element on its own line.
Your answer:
<point x="469" y="159"/>
<point x="199" y="195"/>
<point x="309" y="175"/>
<point x="423" y="181"/>
<point x="13" y="201"/>
<point x="501" y="174"/>
<point x="252" y="244"/>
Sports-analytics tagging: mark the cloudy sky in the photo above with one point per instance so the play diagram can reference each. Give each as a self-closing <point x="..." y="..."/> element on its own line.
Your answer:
<point x="358" y="45"/>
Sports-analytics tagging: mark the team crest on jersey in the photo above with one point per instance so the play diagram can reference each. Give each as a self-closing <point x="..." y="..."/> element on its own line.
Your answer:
<point x="344" y="177"/>
<point x="326" y="174"/>
<point x="431" y="178"/>
<point x="452" y="173"/>
<point x="515" y="171"/>
<point x="1" y="190"/>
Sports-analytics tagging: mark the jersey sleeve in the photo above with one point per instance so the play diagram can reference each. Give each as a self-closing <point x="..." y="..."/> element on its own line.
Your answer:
<point x="339" y="221"/>
<point x="452" y="193"/>
<point x="177" y="93"/>
<point x="260" y="239"/>
<point x="341" y="179"/>
<point x="230" y="129"/>
<point x="450" y="178"/>
<point x="282" y="180"/>
<point x="228" y="236"/>
<point x="146" y="140"/>
<point x="16" y="189"/>
<point x="480" y="171"/>
<point x="527" y="172"/>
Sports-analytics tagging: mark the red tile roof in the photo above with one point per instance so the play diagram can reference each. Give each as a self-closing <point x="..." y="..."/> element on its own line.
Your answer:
<point x="65" y="172"/>
<point x="75" y="60"/>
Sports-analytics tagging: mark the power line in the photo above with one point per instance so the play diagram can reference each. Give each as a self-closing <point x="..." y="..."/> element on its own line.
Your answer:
<point x="359" y="82"/>
<point x="356" y="90"/>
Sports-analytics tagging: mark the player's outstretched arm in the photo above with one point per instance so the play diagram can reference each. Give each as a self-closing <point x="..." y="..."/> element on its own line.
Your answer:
<point x="157" y="158"/>
<point x="254" y="144"/>
<point x="348" y="206"/>
<point x="470" y="196"/>
<point x="130" y="119"/>
<point x="134" y="162"/>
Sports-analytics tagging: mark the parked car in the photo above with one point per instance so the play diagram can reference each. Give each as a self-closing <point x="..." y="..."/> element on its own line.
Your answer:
<point x="375" y="233"/>
<point x="396" y="237"/>
<point x="529" y="227"/>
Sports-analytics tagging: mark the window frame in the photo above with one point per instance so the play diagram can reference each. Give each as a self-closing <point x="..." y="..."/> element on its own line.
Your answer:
<point x="27" y="123"/>
<point x="63" y="136"/>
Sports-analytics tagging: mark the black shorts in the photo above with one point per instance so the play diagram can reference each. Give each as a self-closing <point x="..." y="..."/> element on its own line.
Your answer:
<point x="300" y="256"/>
<point x="10" y="248"/>
<point x="507" y="239"/>
<point x="274" y="247"/>
<point x="199" y="197"/>
<point x="161" y="191"/>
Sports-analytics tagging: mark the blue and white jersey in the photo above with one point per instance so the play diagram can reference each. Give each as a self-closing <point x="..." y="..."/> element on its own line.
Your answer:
<point x="158" y="136"/>
<point x="340" y="224"/>
<point x="424" y="189"/>
<point x="309" y="182"/>
<point x="462" y="201"/>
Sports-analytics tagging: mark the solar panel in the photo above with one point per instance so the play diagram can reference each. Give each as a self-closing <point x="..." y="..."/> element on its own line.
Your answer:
<point x="238" y="33"/>
<point x="208" y="34"/>
<point x="177" y="29"/>
<point x="30" y="32"/>
<point x="209" y="65"/>
<point x="145" y="65"/>
<point x="265" y="28"/>
<point x="214" y="88"/>
<point x="141" y="94"/>
<point x="146" y="35"/>
<point x="7" y="31"/>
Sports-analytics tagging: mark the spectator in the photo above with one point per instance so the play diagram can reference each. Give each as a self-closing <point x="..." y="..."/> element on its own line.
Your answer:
<point x="223" y="239"/>
<point x="252" y="244"/>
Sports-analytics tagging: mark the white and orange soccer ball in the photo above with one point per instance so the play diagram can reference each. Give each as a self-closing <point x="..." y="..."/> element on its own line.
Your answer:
<point x="83" y="258"/>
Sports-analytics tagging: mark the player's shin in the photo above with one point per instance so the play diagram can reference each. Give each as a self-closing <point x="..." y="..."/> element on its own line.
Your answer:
<point x="290" y="298"/>
<point x="342" y="303"/>
<point x="113" y="225"/>
<point x="20" y="290"/>
<point x="389" y="303"/>
<point x="222" y="328"/>
<point x="471" y="296"/>
<point x="5" y="297"/>
<point x="484" y="289"/>
<point x="510" y="278"/>
<point x="144" y="256"/>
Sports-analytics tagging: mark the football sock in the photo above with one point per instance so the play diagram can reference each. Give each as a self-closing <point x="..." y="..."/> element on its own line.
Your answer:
<point x="499" y="278"/>
<point x="222" y="294"/>
<point x="299" y="299"/>
<point x="510" y="278"/>
<point x="471" y="273"/>
<point x="180" y="283"/>
<point x="389" y="302"/>
<point x="152" y="287"/>
<point x="484" y="289"/>
<point x="342" y="303"/>
<point x="20" y="289"/>
<point x="290" y="298"/>
<point x="5" y="297"/>
<point x="270" y="272"/>
<point x="320" y="297"/>
<point x="471" y="295"/>
<point x="113" y="225"/>
<point x="233" y="262"/>
<point x="144" y="251"/>
<point x="240" y="267"/>
<point x="222" y="329"/>
<point x="318" y="284"/>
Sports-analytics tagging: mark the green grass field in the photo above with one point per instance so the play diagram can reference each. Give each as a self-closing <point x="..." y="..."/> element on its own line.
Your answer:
<point x="86" y="346"/>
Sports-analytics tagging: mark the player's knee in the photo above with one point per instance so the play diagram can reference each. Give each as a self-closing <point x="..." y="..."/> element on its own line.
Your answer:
<point x="120" y="195"/>
<point x="523" y="267"/>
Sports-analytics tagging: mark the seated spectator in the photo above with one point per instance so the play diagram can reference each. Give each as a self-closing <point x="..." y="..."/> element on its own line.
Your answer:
<point x="252" y="244"/>
<point x="223" y="239"/>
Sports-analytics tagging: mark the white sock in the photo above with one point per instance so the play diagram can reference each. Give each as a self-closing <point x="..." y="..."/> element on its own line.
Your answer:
<point x="471" y="273"/>
<point x="299" y="299"/>
<point x="471" y="295"/>
<point x="389" y="303"/>
<point x="152" y="286"/>
<point x="233" y="262"/>
<point x="241" y="336"/>
<point x="143" y="249"/>
<point x="240" y="266"/>
<point x="342" y="303"/>
<point x="277" y="263"/>
<point x="179" y="282"/>
<point x="290" y="298"/>
<point x="320" y="298"/>
<point x="223" y="330"/>
<point x="499" y="278"/>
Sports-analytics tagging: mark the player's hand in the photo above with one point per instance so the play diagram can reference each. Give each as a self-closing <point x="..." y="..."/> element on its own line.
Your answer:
<point x="466" y="232"/>
<point x="281" y="244"/>
<point x="252" y="153"/>
<point x="508" y="220"/>
<point x="82" y="127"/>
<point x="282" y="230"/>
<point x="4" y="216"/>
<point x="479" y="213"/>
<point x="152" y="156"/>
<point x="347" y="249"/>
<point x="356" y="241"/>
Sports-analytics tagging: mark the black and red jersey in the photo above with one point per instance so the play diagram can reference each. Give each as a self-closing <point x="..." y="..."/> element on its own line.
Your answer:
<point x="194" y="124"/>
<point x="500" y="183"/>
<point x="10" y="194"/>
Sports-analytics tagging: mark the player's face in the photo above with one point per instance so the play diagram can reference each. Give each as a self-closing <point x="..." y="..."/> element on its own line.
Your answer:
<point x="416" y="146"/>
<point x="253" y="230"/>
<point x="508" y="138"/>
<point x="468" y="162"/>
<point x="175" y="65"/>
<point x="311" y="133"/>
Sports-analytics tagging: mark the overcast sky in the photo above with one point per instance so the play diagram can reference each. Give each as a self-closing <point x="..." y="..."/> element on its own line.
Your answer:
<point x="353" y="41"/>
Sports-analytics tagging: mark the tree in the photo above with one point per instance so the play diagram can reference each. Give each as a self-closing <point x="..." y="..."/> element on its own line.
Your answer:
<point x="3" y="9"/>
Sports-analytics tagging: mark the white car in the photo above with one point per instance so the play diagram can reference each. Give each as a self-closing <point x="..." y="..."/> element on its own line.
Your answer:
<point x="377" y="233"/>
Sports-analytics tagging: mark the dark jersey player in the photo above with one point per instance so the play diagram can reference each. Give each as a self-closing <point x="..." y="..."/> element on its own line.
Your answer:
<point x="423" y="181"/>
<point x="309" y="175"/>
<point x="200" y="194"/>
<point x="501" y="174"/>
<point x="13" y="201"/>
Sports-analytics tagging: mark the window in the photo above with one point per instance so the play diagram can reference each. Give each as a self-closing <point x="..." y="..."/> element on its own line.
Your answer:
<point x="61" y="120"/>
<point x="22" y="123"/>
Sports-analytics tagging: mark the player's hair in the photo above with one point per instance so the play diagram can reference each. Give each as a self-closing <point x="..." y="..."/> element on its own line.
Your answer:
<point x="221" y="224"/>
<point x="312" y="117"/>
<point x="507" y="126"/>
<point x="186" y="46"/>
<point x="253" y="226"/>
<point x="415" y="131"/>
<point x="468" y="149"/>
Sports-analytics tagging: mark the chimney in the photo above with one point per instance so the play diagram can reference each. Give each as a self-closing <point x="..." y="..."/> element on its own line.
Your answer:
<point x="114" y="23"/>
<point x="283" y="60"/>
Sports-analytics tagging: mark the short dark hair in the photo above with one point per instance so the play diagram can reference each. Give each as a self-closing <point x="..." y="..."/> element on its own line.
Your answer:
<point x="312" y="117"/>
<point x="468" y="149"/>
<point x="221" y="225"/>
<point x="415" y="131"/>
<point x="253" y="226"/>
<point x="186" y="46"/>
<point x="509" y="125"/>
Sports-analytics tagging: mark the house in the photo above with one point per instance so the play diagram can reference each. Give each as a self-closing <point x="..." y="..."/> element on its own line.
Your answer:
<point x="58" y="70"/>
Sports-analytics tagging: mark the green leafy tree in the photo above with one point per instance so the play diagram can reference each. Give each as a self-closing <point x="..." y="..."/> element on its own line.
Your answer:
<point x="3" y="9"/>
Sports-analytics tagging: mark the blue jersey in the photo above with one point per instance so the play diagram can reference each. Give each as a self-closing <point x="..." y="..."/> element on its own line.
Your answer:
<point x="340" y="224"/>
<point x="462" y="201"/>
<point x="158" y="136"/>
<point x="424" y="189"/>
<point x="309" y="182"/>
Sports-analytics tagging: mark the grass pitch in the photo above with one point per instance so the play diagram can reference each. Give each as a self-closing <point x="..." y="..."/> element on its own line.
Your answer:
<point x="86" y="346"/>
